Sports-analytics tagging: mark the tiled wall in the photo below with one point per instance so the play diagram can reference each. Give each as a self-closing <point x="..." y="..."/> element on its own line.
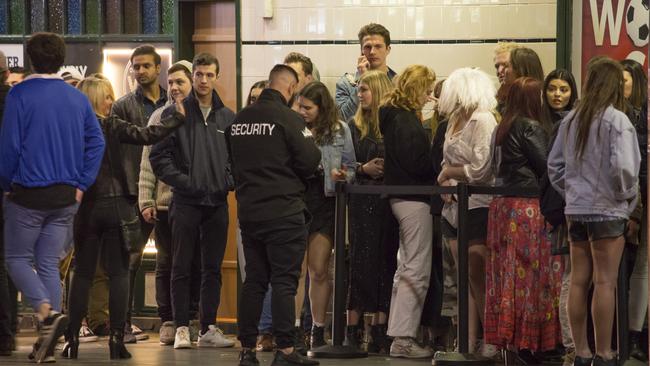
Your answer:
<point x="443" y="34"/>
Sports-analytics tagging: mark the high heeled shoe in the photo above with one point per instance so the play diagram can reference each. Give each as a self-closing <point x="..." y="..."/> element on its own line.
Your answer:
<point x="116" y="345"/>
<point x="71" y="347"/>
<point x="519" y="358"/>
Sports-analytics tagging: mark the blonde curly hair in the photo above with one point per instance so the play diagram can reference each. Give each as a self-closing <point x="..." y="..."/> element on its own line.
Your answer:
<point x="410" y="85"/>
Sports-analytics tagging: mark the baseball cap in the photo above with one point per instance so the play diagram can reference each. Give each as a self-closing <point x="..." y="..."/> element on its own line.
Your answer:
<point x="186" y="64"/>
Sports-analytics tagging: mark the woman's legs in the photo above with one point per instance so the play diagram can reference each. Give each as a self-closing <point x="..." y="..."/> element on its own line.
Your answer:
<point x="477" y="255"/>
<point x="606" y="254"/>
<point x="581" y="270"/>
<point x="318" y="257"/>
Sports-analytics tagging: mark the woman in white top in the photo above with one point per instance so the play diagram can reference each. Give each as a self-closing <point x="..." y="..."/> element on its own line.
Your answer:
<point x="468" y="98"/>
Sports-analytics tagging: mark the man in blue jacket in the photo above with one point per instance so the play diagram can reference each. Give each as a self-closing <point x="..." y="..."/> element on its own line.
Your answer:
<point x="194" y="162"/>
<point x="51" y="147"/>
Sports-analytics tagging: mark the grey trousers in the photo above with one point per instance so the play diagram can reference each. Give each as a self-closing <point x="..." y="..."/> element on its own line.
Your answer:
<point x="411" y="280"/>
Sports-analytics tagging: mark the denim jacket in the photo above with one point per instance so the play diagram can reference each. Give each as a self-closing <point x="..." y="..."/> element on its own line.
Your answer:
<point x="603" y="182"/>
<point x="339" y="151"/>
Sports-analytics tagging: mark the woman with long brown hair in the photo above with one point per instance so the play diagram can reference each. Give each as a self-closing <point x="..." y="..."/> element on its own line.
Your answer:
<point x="523" y="279"/>
<point x="335" y="142"/>
<point x="594" y="164"/>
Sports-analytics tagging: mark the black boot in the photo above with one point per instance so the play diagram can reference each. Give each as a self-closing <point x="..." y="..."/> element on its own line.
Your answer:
<point x="293" y="358"/>
<point x="299" y="341"/>
<point x="71" y="347"/>
<point x="599" y="361"/>
<point x="116" y="344"/>
<point x="636" y="350"/>
<point x="352" y="336"/>
<point x="317" y="336"/>
<point x="6" y="346"/>
<point x="248" y="357"/>
<point x="379" y="342"/>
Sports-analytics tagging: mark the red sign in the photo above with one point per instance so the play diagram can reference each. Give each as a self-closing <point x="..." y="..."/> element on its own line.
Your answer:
<point x="616" y="28"/>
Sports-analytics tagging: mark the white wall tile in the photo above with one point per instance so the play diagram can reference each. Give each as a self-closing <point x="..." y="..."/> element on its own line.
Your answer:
<point x="393" y="18"/>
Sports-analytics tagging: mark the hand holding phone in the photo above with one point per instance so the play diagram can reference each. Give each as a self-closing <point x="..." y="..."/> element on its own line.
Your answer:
<point x="362" y="64"/>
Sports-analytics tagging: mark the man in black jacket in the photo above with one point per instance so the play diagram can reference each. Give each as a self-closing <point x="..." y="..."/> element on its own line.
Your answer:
<point x="194" y="162"/>
<point x="136" y="107"/>
<point x="272" y="154"/>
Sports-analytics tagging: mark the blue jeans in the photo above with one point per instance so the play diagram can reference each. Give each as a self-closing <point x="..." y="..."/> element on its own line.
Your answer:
<point x="266" y="320"/>
<point x="34" y="241"/>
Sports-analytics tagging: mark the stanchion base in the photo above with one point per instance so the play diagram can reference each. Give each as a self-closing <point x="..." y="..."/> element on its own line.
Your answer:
<point x="459" y="359"/>
<point x="328" y="351"/>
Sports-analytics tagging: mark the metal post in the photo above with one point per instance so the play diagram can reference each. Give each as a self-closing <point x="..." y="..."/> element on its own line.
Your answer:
<point x="463" y="270"/>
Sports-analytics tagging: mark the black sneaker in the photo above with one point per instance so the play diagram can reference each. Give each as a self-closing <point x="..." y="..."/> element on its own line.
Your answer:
<point x="317" y="337"/>
<point x="294" y="358"/>
<point x="599" y="361"/>
<point x="52" y="328"/>
<point x="248" y="357"/>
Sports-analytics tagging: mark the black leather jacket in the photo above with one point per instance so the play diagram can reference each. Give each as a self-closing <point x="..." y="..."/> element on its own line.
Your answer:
<point x="523" y="154"/>
<point x="112" y="179"/>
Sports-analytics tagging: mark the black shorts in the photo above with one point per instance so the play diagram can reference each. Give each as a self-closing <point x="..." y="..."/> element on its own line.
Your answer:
<point x="477" y="222"/>
<point x="596" y="230"/>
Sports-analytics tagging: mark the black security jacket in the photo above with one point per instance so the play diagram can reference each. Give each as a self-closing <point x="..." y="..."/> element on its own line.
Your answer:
<point x="523" y="154"/>
<point x="272" y="155"/>
<point x="194" y="159"/>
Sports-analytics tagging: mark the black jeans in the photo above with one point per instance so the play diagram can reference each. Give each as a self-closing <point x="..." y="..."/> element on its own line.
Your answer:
<point x="274" y="251"/>
<point x="135" y="260"/>
<point x="6" y="331"/>
<point x="163" y="233"/>
<point x="207" y="226"/>
<point x="97" y="237"/>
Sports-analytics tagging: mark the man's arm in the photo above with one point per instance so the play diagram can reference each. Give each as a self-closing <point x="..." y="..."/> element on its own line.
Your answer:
<point x="346" y="98"/>
<point x="9" y="141"/>
<point x="164" y="167"/>
<point x="147" y="181"/>
<point x="93" y="149"/>
<point x="305" y="154"/>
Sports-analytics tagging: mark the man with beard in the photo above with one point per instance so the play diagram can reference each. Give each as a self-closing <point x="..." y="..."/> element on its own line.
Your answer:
<point x="137" y="107"/>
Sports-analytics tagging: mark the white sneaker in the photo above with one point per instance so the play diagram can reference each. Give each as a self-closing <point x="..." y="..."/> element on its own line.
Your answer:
<point x="182" y="339"/>
<point x="214" y="338"/>
<point x="138" y="333"/>
<point x="167" y="333"/>
<point x="86" y="335"/>
<point x="407" y="347"/>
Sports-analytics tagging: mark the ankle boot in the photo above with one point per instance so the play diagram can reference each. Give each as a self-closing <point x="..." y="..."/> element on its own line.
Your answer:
<point x="352" y="338"/>
<point x="317" y="337"/>
<point x="379" y="342"/>
<point x="636" y="349"/>
<point x="116" y="344"/>
<point x="71" y="347"/>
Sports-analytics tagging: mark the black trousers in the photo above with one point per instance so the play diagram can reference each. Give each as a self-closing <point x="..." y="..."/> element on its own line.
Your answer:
<point x="207" y="226"/>
<point x="97" y="237"/>
<point x="135" y="260"/>
<point x="6" y="331"/>
<point x="274" y="251"/>
<point x="164" y="256"/>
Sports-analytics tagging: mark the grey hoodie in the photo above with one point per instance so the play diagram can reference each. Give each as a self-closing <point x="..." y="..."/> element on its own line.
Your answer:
<point x="604" y="180"/>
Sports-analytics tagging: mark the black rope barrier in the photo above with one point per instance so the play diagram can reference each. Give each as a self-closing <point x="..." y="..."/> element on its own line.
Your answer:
<point x="463" y="192"/>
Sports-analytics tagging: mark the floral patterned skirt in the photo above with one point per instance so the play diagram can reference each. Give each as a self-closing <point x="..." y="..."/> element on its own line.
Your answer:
<point x="523" y="279"/>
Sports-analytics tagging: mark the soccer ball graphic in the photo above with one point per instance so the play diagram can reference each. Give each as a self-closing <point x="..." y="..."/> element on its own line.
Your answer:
<point x="636" y="22"/>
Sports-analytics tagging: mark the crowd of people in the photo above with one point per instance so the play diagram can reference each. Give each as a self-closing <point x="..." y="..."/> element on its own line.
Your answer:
<point x="82" y="196"/>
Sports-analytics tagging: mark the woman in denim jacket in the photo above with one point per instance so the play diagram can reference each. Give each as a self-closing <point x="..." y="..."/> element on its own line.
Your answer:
<point x="334" y="140"/>
<point x="594" y="164"/>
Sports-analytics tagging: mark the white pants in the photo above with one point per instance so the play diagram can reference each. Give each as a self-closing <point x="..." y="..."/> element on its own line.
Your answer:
<point x="411" y="280"/>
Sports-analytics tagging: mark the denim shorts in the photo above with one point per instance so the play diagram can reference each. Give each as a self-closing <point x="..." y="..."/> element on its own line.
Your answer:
<point x="596" y="230"/>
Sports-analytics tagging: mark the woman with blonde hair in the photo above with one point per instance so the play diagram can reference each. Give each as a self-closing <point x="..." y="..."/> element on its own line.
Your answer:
<point x="468" y="100"/>
<point x="369" y="282"/>
<point x="105" y="206"/>
<point x="408" y="162"/>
